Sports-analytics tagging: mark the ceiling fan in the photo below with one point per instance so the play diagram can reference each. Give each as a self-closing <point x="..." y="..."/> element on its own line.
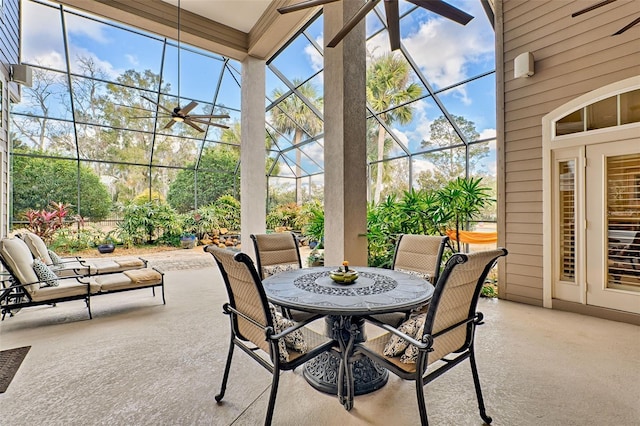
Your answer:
<point x="604" y="3"/>
<point x="393" y="16"/>
<point x="181" y="115"/>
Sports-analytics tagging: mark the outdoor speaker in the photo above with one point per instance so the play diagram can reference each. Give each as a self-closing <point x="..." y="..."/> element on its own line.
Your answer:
<point x="21" y="74"/>
<point x="523" y="65"/>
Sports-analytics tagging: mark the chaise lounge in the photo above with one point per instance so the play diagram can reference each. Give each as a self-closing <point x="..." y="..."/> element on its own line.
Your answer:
<point x="69" y="266"/>
<point x="31" y="283"/>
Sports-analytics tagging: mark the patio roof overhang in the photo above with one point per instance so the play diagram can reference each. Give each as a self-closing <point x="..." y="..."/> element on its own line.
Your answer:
<point x="268" y="34"/>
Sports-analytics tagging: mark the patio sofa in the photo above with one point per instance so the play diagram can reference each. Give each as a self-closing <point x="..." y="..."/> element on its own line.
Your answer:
<point x="29" y="282"/>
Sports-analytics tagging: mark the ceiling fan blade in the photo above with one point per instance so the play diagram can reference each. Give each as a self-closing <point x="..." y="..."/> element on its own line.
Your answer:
<point x="304" y="5"/>
<point x="393" y="23"/>
<point x="189" y="107"/>
<point x="444" y="9"/>
<point x="156" y="103"/>
<point x="169" y="124"/>
<point x="366" y="8"/>
<point x="208" y="123"/>
<point x="209" y="116"/>
<point x="626" y="27"/>
<point x="194" y="125"/>
<point x="592" y="7"/>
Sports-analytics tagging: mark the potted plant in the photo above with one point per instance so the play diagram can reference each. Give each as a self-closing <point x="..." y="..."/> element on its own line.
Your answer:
<point x="316" y="256"/>
<point x="107" y="246"/>
<point x="187" y="240"/>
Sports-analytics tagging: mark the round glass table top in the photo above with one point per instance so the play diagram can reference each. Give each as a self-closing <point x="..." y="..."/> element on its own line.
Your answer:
<point x="376" y="290"/>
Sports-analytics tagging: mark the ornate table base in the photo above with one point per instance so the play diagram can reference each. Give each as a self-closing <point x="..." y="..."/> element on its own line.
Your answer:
<point x="322" y="372"/>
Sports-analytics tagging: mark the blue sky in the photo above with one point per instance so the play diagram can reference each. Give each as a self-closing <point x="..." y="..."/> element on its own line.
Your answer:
<point x="445" y="52"/>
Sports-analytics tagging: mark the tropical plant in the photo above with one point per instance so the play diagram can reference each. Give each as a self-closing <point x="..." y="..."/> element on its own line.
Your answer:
<point x="462" y="200"/>
<point x="227" y="210"/>
<point x="292" y="114"/>
<point x="45" y="223"/>
<point x="423" y="212"/>
<point x="286" y="216"/>
<point x="388" y="89"/>
<point x="313" y="214"/>
<point x="150" y="222"/>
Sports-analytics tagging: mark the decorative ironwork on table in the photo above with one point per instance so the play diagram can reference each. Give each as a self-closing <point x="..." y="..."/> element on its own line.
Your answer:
<point x="378" y="284"/>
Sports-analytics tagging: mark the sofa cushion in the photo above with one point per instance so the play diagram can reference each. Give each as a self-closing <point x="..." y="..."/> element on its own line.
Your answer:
<point x="46" y="276"/>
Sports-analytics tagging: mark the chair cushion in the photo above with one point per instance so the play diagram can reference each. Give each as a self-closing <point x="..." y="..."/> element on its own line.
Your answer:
<point x="413" y="327"/>
<point x="294" y="340"/>
<point x="68" y="287"/>
<point x="37" y="246"/>
<point x="18" y="257"/>
<point x="46" y="276"/>
<point x="129" y="279"/>
<point x="276" y="269"/>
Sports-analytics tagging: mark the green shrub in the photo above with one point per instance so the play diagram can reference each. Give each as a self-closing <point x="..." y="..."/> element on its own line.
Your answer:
<point x="151" y="222"/>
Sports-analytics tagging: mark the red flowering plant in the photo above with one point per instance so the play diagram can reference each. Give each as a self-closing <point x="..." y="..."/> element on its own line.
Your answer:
<point x="45" y="223"/>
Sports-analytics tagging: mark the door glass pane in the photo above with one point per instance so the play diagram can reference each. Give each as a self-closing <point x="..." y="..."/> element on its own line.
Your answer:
<point x="623" y="214"/>
<point x="567" y="210"/>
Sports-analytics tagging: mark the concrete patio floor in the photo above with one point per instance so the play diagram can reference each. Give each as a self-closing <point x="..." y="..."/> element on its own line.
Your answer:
<point x="139" y="362"/>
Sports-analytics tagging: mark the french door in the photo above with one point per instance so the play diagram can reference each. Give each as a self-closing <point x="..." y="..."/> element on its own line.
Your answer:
<point x="612" y="218"/>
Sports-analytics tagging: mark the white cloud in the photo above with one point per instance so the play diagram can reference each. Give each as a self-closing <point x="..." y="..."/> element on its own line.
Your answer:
<point x="133" y="59"/>
<point x="444" y="50"/>
<point x="488" y="133"/>
<point x="316" y="59"/>
<point x="86" y="27"/>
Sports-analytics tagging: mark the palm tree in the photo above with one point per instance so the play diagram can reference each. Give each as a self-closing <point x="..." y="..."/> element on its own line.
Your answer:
<point x="387" y="87"/>
<point x="293" y="115"/>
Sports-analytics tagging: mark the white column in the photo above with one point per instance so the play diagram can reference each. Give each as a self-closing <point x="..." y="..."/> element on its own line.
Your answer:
<point x="253" y="181"/>
<point x="345" y="149"/>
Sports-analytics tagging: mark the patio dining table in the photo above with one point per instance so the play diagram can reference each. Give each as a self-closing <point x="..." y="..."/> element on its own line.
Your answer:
<point x="376" y="291"/>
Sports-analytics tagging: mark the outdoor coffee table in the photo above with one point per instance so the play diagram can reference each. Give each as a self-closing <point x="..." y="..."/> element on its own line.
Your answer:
<point x="376" y="291"/>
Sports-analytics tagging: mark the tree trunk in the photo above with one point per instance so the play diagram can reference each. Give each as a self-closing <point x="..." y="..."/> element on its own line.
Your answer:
<point x="381" y="135"/>
<point x="296" y="141"/>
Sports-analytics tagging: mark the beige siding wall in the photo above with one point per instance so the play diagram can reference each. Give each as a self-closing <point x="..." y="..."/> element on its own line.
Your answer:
<point x="9" y="54"/>
<point x="572" y="56"/>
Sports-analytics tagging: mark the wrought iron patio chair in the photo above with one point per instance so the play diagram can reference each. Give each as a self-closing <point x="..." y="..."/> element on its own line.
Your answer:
<point x="420" y="255"/>
<point x="448" y="333"/>
<point x="275" y="253"/>
<point x="253" y="324"/>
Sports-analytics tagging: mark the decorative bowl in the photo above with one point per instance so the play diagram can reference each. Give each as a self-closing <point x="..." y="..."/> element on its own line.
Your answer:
<point x="342" y="277"/>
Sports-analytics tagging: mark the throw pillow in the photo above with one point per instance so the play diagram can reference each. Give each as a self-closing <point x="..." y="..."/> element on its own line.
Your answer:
<point x="267" y="271"/>
<point x="412" y="327"/>
<point x="45" y="275"/>
<point x="57" y="261"/>
<point x="294" y="340"/>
